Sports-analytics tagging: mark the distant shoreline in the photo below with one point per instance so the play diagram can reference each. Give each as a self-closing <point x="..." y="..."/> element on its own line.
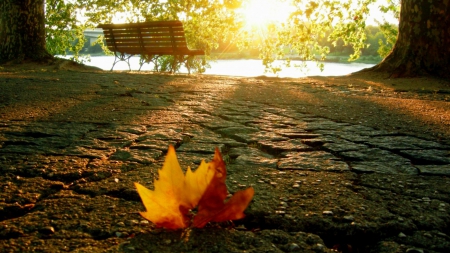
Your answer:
<point x="367" y="59"/>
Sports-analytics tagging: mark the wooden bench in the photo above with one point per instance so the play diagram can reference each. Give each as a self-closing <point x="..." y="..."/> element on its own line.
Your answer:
<point x="150" y="40"/>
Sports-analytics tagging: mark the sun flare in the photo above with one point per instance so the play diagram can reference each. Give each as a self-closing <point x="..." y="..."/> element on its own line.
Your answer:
<point x="263" y="12"/>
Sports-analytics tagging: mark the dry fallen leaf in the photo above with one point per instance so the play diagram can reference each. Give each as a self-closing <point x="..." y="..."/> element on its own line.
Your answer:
<point x="176" y="194"/>
<point x="212" y="206"/>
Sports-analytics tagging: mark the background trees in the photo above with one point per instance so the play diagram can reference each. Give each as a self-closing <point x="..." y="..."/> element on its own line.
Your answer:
<point x="422" y="47"/>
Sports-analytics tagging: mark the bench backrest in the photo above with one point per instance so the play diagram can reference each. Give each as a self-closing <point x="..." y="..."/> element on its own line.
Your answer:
<point x="158" y="37"/>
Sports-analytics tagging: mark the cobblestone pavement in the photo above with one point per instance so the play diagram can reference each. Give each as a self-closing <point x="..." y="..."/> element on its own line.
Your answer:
<point x="67" y="165"/>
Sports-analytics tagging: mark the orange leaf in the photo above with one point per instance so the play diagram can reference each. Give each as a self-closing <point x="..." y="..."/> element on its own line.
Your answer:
<point x="212" y="206"/>
<point x="175" y="193"/>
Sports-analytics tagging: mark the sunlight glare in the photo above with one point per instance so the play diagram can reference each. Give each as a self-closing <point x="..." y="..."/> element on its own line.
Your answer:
<point x="263" y="12"/>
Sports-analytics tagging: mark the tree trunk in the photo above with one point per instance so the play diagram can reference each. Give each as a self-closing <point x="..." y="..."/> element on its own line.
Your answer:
<point x="22" y="30"/>
<point x="423" y="43"/>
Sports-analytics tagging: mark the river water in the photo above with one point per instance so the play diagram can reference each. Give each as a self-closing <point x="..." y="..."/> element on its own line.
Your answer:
<point x="246" y="68"/>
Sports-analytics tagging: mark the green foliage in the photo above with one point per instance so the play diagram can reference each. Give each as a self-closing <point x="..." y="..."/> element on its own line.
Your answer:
<point x="206" y="22"/>
<point x="389" y="31"/>
<point x="313" y="28"/>
<point x="58" y="20"/>
<point x="167" y="63"/>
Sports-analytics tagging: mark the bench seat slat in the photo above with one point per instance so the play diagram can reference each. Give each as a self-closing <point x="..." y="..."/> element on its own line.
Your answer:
<point x="143" y="32"/>
<point x="149" y="39"/>
<point x="144" y="24"/>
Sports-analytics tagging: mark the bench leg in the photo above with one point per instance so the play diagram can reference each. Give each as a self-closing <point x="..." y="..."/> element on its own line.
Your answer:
<point x="174" y="65"/>
<point x="141" y="62"/>
<point x="188" y="63"/>
<point x="116" y="60"/>
<point x="121" y="57"/>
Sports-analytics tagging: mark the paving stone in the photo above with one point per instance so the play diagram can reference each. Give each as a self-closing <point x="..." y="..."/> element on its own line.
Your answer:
<point x="324" y="125"/>
<point x="245" y="105"/>
<point x="401" y="142"/>
<point x="296" y="115"/>
<point x="23" y="147"/>
<point x="217" y="123"/>
<point x="267" y="136"/>
<point x="249" y="160"/>
<point x="343" y="146"/>
<point x="273" y="111"/>
<point x="315" y="160"/>
<point x="274" y="116"/>
<point x="162" y="145"/>
<point x="248" y="150"/>
<point x="195" y="132"/>
<point x="87" y="152"/>
<point x="193" y="160"/>
<point x="316" y="142"/>
<point x="238" y="117"/>
<point x="427" y="156"/>
<point x="110" y="135"/>
<point x="242" y="134"/>
<point x="134" y="129"/>
<point x="357" y="128"/>
<point x="162" y="117"/>
<point x="435" y="170"/>
<point x="373" y="154"/>
<point x="252" y="157"/>
<point x="200" y="117"/>
<point x="217" y="139"/>
<point x="279" y="127"/>
<point x="162" y="133"/>
<point x="200" y="147"/>
<point x="97" y="144"/>
<point x="373" y="133"/>
<point x="386" y="168"/>
<point x="353" y="137"/>
<point x="299" y="134"/>
<point x="119" y="143"/>
<point x="233" y="108"/>
<point x="283" y="146"/>
<point x="312" y="118"/>
<point x="363" y="131"/>
<point x="31" y="140"/>
<point x="48" y="129"/>
<point x="378" y="160"/>
<point x="135" y="155"/>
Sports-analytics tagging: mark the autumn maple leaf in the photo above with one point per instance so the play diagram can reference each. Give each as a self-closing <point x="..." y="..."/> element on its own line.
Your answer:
<point x="175" y="194"/>
<point x="212" y="206"/>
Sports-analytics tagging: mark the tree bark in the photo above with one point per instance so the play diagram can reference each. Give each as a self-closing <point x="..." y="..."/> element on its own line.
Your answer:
<point x="423" y="43"/>
<point x="22" y="31"/>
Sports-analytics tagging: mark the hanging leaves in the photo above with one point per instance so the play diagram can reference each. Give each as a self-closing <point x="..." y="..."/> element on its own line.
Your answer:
<point x="176" y="193"/>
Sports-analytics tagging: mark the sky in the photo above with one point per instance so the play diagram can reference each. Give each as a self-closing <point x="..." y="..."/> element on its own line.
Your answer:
<point x="376" y="14"/>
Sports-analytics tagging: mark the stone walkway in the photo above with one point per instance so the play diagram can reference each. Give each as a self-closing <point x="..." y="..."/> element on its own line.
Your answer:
<point x="51" y="167"/>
